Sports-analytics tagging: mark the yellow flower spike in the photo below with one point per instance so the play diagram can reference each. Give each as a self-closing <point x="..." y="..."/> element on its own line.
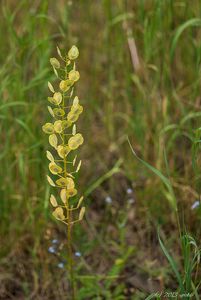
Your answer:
<point x="65" y="182"/>
<point x="49" y="156"/>
<point x="75" y="141"/>
<point x="51" y="182"/>
<point x="58" y="213"/>
<point x="74" y="75"/>
<point x="63" y="137"/>
<point x="54" y="168"/>
<point x="59" y="112"/>
<point x="58" y="126"/>
<point x="55" y="63"/>
<point x="73" y="53"/>
<point x="53" y="140"/>
<point x="48" y="128"/>
<point x="53" y="201"/>
<point x="63" y="150"/>
<point x="57" y="98"/>
<point x="65" y="85"/>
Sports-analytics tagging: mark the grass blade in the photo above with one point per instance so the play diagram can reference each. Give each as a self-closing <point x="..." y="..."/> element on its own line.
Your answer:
<point x="164" y="179"/>
<point x="172" y="264"/>
<point x="192" y="22"/>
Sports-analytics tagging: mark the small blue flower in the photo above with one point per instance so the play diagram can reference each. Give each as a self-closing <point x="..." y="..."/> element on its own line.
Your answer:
<point x="108" y="200"/>
<point x="55" y="241"/>
<point x="78" y="254"/>
<point x="129" y="191"/>
<point x="60" y="265"/>
<point x="51" y="249"/>
<point x="195" y="204"/>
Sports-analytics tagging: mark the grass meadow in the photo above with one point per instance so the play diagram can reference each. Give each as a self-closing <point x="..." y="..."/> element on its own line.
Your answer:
<point x="139" y="84"/>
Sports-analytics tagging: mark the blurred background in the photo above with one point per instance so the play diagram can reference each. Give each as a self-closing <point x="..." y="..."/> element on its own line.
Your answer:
<point x="140" y="80"/>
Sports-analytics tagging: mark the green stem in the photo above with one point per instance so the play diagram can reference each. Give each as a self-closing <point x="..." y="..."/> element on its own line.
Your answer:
<point x="70" y="257"/>
<point x="69" y="227"/>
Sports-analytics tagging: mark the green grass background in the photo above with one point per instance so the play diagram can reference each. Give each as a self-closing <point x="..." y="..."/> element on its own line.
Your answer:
<point x="155" y="103"/>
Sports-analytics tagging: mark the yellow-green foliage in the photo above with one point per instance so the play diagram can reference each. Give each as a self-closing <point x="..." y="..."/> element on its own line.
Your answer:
<point x="63" y="136"/>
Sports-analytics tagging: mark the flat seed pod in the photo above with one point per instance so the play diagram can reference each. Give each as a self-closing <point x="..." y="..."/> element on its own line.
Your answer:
<point x="65" y="182"/>
<point x="58" y="213"/>
<point x="51" y="100"/>
<point x="49" y="156"/>
<point x="50" y="87"/>
<point x="70" y="184"/>
<point x="61" y="181"/>
<point x="74" y="129"/>
<point x="70" y="175"/>
<point x="74" y="75"/>
<point x="59" y="112"/>
<point x="74" y="160"/>
<point x="76" y="101"/>
<point x="71" y="192"/>
<point x="51" y="182"/>
<point x="54" y="168"/>
<point x="59" y="52"/>
<point x="53" y="201"/>
<point x="65" y="85"/>
<point x="80" y="201"/>
<point x="63" y="151"/>
<point x="66" y="124"/>
<point x="73" y="53"/>
<point x="48" y="128"/>
<point x="75" y="141"/>
<point x="71" y="93"/>
<point x="58" y="126"/>
<point x="55" y="72"/>
<point x="57" y="98"/>
<point x="54" y="62"/>
<point x="71" y="117"/>
<point x="82" y="212"/>
<point x="53" y="140"/>
<point x="77" y="109"/>
<point x="51" y="111"/>
<point x="63" y="196"/>
<point x="78" y="167"/>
